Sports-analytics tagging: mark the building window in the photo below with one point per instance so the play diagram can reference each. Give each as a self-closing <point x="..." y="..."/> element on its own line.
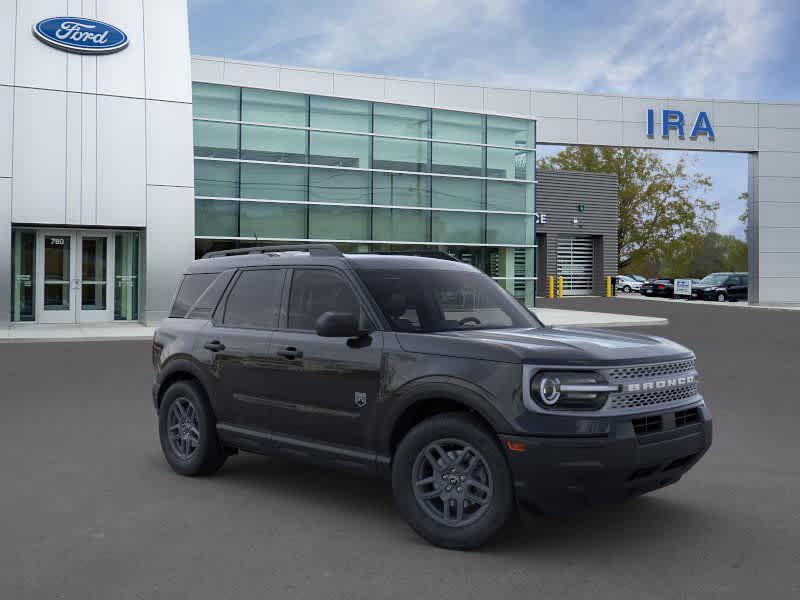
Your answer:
<point x="278" y="108"/>
<point x="340" y="114"/>
<point x="506" y="131"/>
<point x="265" y="220"/>
<point x="273" y="144"/>
<point x="23" y="261"/>
<point x="404" y="121"/>
<point x="455" y="126"/>
<point x="126" y="276"/>
<point x="215" y="101"/>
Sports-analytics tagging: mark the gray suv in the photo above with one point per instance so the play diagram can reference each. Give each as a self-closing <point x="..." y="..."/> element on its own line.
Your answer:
<point x="423" y="371"/>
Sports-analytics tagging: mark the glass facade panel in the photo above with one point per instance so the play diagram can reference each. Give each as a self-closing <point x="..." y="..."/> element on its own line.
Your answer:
<point x="509" y="164"/>
<point x="338" y="223"/>
<point x="507" y="195"/>
<point x="220" y="140"/>
<point x="215" y="101"/>
<point x="508" y="229"/>
<point x="280" y="108"/>
<point x="273" y="144"/>
<point x="457" y="159"/>
<point x="400" y="155"/>
<point x="406" y="121"/>
<point x="259" y="219"/>
<point x="339" y="185"/>
<point x="57" y="258"/>
<point x="389" y="225"/>
<point x="126" y="276"/>
<point x="401" y="190"/>
<point x="93" y="273"/>
<point x="507" y="131"/>
<point x="23" y="261"/>
<point x="215" y="178"/>
<point x="430" y="158"/>
<point x="451" y="192"/>
<point x="340" y="114"/>
<point x="339" y="150"/>
<point x="216" y="217"/>
<point x="457" y="227"/>
<point x="456" y="126"/>
<point x="273" y="182"/>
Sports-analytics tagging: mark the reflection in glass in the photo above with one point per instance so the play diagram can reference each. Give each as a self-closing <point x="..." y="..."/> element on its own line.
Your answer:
<point x="457" y="126"/>
<point x="509" y="164"/>
<point x="23" y="259"/>
<point x="338" y="185"/>
<point x="259" y="219"/>
<point x="457" y="159"/>
<point x="216" y="178"/>
<point x="400" y="155"/>
<point x="56" y="272"/>
<point x="406" y="121"/>
<point x="401" y="190"/>
<point x="507" y="131"/>
<point x="93" y="273"/>
<point x="280" y="108"/>
<point x="126" y="276"/>
<point x="216" y="217"/>
<point x="400" y="225"/>
<point x="339" y="150"/>
<point x="215" y="101"/>
<point x="273" y="182"/>
<point x="341" y="114"/>
<point x="338" y="223"/>
<point x="219" y="140"/>
<point x="273" y="144"/>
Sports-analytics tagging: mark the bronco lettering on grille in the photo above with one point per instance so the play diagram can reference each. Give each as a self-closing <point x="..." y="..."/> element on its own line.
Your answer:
<point x="659" y="384"/>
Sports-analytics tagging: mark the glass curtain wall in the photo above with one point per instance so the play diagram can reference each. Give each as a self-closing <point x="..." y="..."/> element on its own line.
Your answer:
<point x="284" y="167"/>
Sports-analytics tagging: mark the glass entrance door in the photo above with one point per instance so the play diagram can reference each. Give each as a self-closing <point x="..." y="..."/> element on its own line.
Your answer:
<point x="74" y="272"/>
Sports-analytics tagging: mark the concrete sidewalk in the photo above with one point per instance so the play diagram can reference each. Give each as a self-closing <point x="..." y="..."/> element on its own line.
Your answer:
<point x="92" y="332"/>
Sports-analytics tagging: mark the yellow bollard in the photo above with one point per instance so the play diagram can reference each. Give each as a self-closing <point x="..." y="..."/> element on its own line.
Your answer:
<point x="561" y="286"/>
<point x="551" y="287"/>
<point x="608" y="287"/>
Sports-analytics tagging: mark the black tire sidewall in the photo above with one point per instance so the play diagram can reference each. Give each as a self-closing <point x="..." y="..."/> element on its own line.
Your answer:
<point x="472" y="431"/>
<point x="210" y="454"/>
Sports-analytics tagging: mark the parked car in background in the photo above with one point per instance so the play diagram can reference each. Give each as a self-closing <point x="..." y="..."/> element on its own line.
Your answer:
<point x="639" y="278"/>
<point x="627" y="284"/>
<point x="663" y="288"/>
<point x="722" y="287"/>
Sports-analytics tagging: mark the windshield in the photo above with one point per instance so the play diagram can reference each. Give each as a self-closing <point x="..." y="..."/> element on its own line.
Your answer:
<point x="430" y="300"/>
<point x="714" y="279"/>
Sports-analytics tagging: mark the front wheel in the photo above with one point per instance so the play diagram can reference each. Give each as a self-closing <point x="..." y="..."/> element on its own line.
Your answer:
<point x="627" y="289"/>
<point x="452" y="483"/>
<point x="187" y="428"/>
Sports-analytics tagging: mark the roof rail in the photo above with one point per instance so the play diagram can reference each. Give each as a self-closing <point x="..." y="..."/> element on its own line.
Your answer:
<point x="422" y="253"/>
<point x="313" y="249"/>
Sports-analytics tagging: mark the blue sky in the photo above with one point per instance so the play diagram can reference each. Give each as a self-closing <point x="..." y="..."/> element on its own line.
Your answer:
<point x="740" y="49"/>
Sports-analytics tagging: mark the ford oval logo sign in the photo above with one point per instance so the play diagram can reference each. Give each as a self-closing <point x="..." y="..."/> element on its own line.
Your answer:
<point x="76" y="34"/>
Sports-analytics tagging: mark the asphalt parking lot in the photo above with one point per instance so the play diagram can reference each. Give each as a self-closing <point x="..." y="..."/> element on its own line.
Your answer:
<point x="91" y="510"/>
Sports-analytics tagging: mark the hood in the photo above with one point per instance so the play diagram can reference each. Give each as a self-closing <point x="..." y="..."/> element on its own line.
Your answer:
<point x="547" y="345"/>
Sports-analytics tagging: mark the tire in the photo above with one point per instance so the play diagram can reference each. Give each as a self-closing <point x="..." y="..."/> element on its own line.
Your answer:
<point x="199" y="451"/>
<point x="461" y="438"/>
<point x="721" y="297"/>
<point x="627" y="289"/>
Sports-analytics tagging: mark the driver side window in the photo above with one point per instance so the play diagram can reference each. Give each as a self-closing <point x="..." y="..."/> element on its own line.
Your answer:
<point x="317" y="291"/>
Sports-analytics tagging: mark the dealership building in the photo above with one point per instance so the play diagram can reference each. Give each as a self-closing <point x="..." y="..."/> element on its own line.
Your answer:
<point x="122" y="158"/>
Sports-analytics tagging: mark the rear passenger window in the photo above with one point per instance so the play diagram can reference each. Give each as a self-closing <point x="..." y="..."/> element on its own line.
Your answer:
<point x="255" y="300"/>
<point x="192" y="287"/>
<point x="208" y="300"/>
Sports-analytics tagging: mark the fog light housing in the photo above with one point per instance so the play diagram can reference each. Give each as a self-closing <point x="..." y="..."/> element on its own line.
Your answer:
<point x="570" y="390"/>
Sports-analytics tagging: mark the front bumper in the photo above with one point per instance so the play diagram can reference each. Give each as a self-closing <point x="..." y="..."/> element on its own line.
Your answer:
<point x="554" y="475"/>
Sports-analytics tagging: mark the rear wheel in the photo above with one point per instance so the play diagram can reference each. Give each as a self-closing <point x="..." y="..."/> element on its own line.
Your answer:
<point x="627" y="289"/>
<point x="451" y="482"/>
<point x="187" y="428"/>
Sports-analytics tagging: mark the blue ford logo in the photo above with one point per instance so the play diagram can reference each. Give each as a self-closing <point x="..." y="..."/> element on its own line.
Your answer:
<point x="76" y="34"/>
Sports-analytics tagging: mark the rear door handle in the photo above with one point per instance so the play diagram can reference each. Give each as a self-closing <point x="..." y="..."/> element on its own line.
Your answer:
<point x="290" y="353"/>
<point x="214" y="346"/>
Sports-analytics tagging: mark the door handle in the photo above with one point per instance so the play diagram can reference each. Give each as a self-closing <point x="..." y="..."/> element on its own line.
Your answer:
<point x="290" y="353"/>
<point x="214" y="346"/>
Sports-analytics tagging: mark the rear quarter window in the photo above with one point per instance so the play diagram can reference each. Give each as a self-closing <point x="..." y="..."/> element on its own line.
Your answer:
<point x="192" y="287"/>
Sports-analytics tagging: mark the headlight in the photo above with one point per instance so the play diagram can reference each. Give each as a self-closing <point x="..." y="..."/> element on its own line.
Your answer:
<point x="570" y="390"/>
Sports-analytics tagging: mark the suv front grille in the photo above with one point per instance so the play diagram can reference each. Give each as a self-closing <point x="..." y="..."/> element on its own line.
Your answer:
<point x="645" y="371"/>
<point x="648" y="399"/>
<point x="645" y="425"/>
<point x="687" y="417"/>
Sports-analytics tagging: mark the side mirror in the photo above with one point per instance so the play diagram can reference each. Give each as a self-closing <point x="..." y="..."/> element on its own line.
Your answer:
<point x="337" y="324"/>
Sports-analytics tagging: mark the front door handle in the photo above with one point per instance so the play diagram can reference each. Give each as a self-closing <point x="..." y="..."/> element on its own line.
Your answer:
<point x="214" y="346"/>
<point x="290" y="353"/>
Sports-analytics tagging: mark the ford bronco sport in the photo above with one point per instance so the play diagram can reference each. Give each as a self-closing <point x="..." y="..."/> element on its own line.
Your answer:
<point x="423" y="371"/>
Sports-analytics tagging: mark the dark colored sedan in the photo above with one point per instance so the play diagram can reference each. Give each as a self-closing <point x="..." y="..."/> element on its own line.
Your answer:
<point x="663" y="288"/>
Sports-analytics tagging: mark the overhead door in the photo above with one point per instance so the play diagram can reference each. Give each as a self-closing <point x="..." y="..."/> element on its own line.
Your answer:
<point x="576" y="264"/>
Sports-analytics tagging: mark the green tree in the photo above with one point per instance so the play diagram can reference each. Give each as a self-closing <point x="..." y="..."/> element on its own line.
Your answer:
<point x="659" y="201"/>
